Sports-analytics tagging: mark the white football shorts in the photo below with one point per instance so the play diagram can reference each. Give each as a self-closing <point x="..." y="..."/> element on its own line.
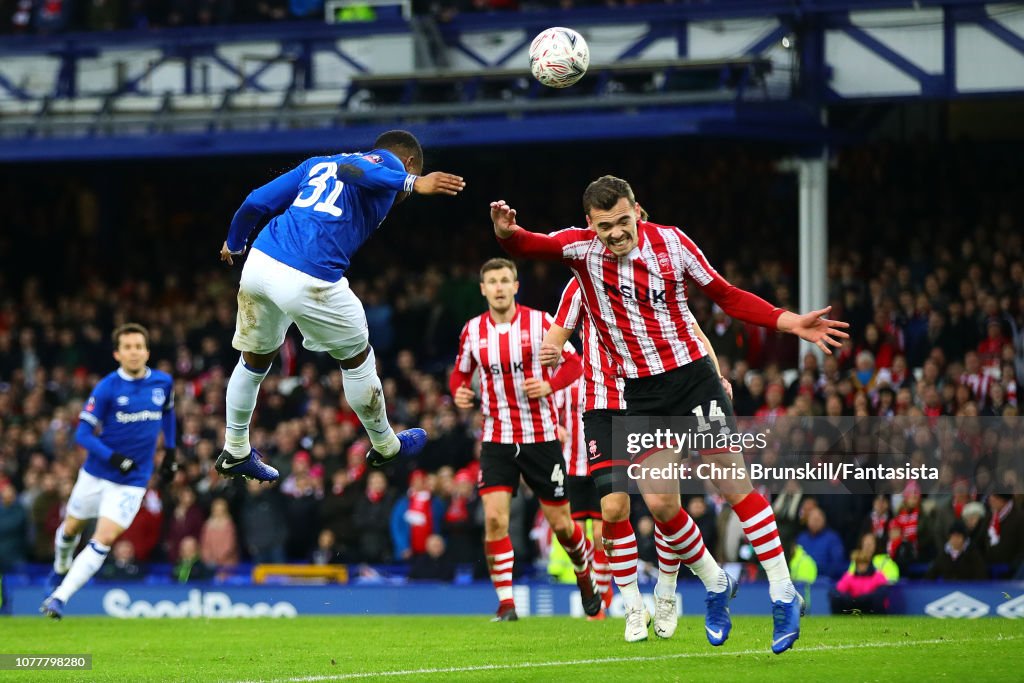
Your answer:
<point x="93" y="497"/>
<point x="272" y="296"/>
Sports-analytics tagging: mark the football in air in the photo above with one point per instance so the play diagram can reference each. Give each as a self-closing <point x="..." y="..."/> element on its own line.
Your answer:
<point x="559" y="57"/>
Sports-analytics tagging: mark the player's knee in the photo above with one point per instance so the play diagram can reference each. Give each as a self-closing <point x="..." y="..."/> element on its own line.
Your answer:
<point x="496" y="524"/>
<point x="105" y="537"/>
<point x="563" y="526"/>
<point x="615" y="507"/>
<point x="663" y="508"/>
<point x="72" y="526"/>
<point x="352" y="362"/>
<point x="259" y="361"/>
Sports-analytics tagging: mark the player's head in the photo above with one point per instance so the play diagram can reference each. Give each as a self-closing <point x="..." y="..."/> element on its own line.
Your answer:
<point x="499" y="283"/>
<point x="405" y="146"/>
<point x="611" y="212"/>
<point x="131" y="347"/>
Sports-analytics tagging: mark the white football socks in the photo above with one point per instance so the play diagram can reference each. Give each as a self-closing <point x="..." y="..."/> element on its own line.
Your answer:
<point x="364" y="393"/>
<point x="63" y="549"/>
<point x="243" y="388"/>
<point x="82" y="569"/>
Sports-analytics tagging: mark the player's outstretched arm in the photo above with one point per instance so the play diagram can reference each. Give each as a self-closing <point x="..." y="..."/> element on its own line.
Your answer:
<point x="439" y="183"/>
<point x="271" y="199"/>
<point x="815" y="328"/>
<point x="551" y="348"/>
<point x="518" y="241"/>
<point x="372" y="174"/>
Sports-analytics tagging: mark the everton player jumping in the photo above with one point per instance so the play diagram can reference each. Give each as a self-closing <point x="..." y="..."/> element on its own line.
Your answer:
<point x="321" y="213"/>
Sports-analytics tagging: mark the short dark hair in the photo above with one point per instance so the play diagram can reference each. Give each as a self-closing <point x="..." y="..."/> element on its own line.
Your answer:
<point x="401" y="142"/>
<point x="129" y="328"/>
<point x="605" y="192"/>
<point x="498" y="264"/>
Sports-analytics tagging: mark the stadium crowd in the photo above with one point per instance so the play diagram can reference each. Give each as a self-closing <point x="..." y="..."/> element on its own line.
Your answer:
<point x="926" y="263"/>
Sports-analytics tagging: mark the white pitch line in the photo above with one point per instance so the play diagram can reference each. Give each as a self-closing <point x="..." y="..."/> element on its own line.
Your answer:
<point x="612" y="660"/>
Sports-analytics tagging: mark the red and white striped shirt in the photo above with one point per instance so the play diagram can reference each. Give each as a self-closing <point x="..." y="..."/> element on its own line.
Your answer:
<point x="600" y="376"/>
<point x="978" y="383"/>
<point x="569" y="402"/>
<point x="507" y="354"/>
<point x="638" y="302"/>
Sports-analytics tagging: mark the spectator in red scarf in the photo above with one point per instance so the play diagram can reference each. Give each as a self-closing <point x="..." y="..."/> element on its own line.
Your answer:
<point x="877" y="521"/>
<point x="908" y="515"/>
<point x="416" y="517"/>
<point x="990" y="348"/>
<point x="975" y="378"/>
<point x="460" y="523"/>
<point x="1005" y="547"/>
<point x="878" y="345"/>
<point x="899" y="549"/>
<point x="371" y="517"/>
<point x="773" y="406"/>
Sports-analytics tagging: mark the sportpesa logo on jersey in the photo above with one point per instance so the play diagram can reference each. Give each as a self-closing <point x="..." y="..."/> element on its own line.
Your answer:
<point x="642" y="295"/>
<point x="140" y="416"/>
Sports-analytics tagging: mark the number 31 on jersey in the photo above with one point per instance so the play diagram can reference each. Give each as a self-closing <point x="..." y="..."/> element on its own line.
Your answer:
<point x="319" y="177"/>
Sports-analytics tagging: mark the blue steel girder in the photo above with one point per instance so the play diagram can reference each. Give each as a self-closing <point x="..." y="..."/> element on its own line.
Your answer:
<point x="941" y="84"/>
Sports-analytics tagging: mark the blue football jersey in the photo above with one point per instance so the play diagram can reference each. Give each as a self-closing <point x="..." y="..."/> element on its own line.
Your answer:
<point x="325" y="209"/>
<point x="129" y="413"/>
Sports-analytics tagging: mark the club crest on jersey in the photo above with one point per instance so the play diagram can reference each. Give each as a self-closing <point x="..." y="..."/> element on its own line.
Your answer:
<point x="159" y="396"/>
<point x="664" y="262"/>
<point x="524" y="337"/>
<point x="373" y="158"/>
<point x="122" y="400"/>
<point x="592" y="449"/>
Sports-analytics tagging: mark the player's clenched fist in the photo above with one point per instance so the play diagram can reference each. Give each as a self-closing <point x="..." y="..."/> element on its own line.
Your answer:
<point x="549" y="355"/>
<point x="439" y="183"/>
<point x="464" y="397"/>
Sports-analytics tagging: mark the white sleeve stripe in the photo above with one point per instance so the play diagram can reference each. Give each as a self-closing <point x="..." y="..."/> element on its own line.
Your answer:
<point x="410" y="180"/>
<point x="90" y="418"/>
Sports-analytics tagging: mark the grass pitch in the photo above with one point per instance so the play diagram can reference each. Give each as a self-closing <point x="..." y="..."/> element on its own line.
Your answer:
<point x="537" y="649"/>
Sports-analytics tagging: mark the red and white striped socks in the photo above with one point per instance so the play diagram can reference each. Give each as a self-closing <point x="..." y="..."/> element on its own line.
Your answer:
<point x="500" y="559"/>
<point x="577" y="548"/>
<point x="602" y="572"/>
<point x="679" y="540"/>
<point x="620" y="549"/>
<point x="758" y="522"/>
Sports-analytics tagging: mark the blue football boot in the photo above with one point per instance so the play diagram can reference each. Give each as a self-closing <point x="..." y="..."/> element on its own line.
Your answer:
<point x="412" y="442"/>
<point x="250" y="467"/>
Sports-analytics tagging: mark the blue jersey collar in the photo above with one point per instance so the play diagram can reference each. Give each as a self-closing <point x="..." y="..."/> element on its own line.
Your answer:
<point x="128" y="378"/>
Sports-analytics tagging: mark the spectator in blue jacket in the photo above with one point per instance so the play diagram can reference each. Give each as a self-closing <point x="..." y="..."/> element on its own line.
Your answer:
<point x="823" y="544"/>
<point x="13" y="528"/>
